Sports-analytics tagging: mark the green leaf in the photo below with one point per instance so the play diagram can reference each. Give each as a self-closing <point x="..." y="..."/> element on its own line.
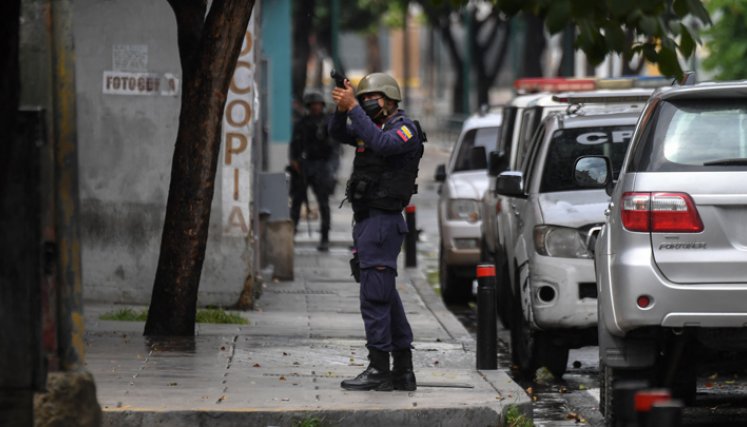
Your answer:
<point x="681" y="8"/>
<point x="687" y="44"/>
<point x="558" y="15"/>
<point x="699" y="11"/>
<point x="668" y="63"/>
<point x="615" y="37"/>
<point x="649" y="52"/>
<point x="649" y="25"/>
<point x="620" y="9"/>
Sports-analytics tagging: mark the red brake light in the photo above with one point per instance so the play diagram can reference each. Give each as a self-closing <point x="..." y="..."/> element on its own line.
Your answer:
<point x="660" y="213"/>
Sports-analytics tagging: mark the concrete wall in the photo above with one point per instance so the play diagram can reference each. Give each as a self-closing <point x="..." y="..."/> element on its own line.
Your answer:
<point x="126" y="144"/>
<point x="276" y="47"/>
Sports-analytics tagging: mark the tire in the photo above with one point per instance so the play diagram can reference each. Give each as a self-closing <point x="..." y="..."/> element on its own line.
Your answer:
<point x="523" y="353"/>
<point x="551" y="354"/>
<point x="503" y="294"/>
<point x="454" y="290"/>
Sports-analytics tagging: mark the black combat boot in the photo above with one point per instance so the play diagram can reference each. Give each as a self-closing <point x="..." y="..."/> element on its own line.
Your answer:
<point x="403" y="377"/>
<point x="376" y="377"/>
<point x="324" y="242"/>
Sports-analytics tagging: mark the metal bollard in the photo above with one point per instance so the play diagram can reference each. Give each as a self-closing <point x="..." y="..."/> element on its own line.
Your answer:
<point x="487" y="329"/>
<point x="623" y="401"/>
<point x="411" y="239"/>
<point x="666" y="414"/>
<point x="645" y="399"/>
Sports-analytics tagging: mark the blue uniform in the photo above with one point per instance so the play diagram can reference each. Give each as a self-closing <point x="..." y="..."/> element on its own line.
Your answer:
<point x="378" y="235"/>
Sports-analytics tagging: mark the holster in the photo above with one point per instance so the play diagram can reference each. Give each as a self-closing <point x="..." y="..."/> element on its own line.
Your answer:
<point x="355" y="268"/>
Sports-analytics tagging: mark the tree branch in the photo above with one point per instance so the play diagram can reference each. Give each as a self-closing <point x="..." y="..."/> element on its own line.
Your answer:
<point x="190" y="18"/>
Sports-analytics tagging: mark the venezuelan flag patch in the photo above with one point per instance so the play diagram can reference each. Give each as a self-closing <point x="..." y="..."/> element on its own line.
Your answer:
<point x="404" y="133"/>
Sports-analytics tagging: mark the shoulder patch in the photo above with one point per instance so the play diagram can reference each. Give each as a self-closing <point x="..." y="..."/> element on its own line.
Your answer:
<point x="404" y="133"/>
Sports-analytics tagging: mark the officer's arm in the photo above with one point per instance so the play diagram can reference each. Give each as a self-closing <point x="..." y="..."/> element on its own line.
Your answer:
<point x="400" y="139"/>
<point x="338" y="129"/>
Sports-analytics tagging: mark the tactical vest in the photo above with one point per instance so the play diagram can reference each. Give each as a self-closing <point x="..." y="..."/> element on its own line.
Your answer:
<point x="385" y="183"/>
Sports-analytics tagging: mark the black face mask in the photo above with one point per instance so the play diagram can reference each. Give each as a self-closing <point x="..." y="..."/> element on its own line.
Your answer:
<point x="373" y="109"/>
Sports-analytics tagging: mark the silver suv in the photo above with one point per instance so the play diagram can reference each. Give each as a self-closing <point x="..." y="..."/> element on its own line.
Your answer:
<point x="671" y="261"/>
<point x="464" y="180"/>
<point x="552" y="299"/>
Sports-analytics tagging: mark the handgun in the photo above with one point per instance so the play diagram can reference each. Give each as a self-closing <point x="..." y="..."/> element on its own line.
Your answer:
<point x="339" y="78"/>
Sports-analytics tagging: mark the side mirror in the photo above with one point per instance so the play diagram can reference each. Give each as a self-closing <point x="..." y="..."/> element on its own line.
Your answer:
<point x="593" y="172"/>
<point x="497" y="163"/>
<point x="511" y="184"/>
<point x="478" y="158"/>
<point x="440" y="175"/>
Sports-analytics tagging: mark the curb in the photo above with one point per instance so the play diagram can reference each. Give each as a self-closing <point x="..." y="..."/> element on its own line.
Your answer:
<point x="445" y="417"/>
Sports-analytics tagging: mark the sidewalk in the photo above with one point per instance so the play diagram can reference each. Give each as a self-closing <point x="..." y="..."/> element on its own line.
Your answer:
<point x="285" y="366"/>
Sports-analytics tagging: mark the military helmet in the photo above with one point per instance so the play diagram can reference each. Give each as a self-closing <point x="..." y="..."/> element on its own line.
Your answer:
<point x="311" y="97"/>
<point x="380" y="82"/>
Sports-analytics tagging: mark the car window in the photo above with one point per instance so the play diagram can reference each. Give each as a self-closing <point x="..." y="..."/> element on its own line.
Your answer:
<point x="531" y="158"/>
<point x="481" y="137"/>
<point x="696" y="135"/>
<point x="567" y="145"/>
<point x="529" y="122"/>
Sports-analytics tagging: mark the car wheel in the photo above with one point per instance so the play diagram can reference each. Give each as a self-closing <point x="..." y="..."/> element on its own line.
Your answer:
<point x="503" y="293"/>
<point x="454" y="290"/>
<point x="522" y="341"/>
<point x="551" y="354"/>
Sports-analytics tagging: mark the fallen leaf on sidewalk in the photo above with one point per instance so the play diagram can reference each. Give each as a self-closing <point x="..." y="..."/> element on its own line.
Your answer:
<point x="221" y="398"/>
<point x="256" y="365"/>
<point x="285" y="354"/>
<point x="282" y="378"/>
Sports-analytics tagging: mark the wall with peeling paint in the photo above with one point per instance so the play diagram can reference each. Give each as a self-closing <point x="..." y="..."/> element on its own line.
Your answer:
<point x="127" y="129"/>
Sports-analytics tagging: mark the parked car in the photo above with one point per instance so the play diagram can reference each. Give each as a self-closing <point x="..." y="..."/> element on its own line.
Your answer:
<point x="551" y="297"/>
<point x="671" y="259"/>
<point x="520" y="121"/>
<point x="464" y="180"/>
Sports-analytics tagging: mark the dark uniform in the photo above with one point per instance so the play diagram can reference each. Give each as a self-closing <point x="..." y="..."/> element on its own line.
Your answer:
<point x="382" y="182"/>
<point x="318" y="157"/>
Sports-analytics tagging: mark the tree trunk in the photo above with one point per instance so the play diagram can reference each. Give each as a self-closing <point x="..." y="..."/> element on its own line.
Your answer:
<point x="209" y="54"/>
<point x="534" y="46"/>
<point x="303" y="17"/>
<point x="373" y="53"/>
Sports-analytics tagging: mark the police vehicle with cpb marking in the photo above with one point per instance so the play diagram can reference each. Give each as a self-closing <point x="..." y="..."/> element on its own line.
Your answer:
<point x="551" y="299"/>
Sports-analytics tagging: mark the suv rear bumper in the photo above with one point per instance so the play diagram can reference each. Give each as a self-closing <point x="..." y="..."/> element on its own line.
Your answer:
<point x="624" y="278"/>
<point x="572" y="280"/>
<point x="461" y="242"/>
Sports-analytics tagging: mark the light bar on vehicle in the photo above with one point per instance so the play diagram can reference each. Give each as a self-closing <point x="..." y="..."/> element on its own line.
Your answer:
<point x="605" y="97"/>
<point x="558" y="84"/>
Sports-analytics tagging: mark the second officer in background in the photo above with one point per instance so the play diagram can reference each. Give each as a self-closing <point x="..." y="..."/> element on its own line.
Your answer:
<point x="314" y="158"/>
<point x="388" y="148"/>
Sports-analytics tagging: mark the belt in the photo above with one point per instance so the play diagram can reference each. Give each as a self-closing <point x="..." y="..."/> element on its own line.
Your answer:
<point x="365" y="213"/>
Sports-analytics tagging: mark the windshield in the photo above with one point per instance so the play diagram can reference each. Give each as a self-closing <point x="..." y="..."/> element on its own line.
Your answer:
<point x="567" y="145"/>
<point x="481" y="137"/>
<point x="693" y="135"/>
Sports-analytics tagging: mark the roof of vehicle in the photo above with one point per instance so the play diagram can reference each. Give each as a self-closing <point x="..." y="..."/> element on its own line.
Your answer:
<point x="730" y="89"/>
<point x="542" y="99"/>
<point x="483" y="120"/>
<point x="605" y="119"/>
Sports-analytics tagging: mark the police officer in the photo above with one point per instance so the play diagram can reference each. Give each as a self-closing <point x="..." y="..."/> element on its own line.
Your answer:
<point x="314" y="157"/>
<point x="388" y="148"/>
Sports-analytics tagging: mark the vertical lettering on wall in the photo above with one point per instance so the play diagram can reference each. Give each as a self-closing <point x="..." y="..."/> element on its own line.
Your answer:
<point x="238" y="129"/>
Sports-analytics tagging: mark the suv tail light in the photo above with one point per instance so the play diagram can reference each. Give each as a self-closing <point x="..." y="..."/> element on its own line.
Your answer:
<point x="660" y="213"/>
